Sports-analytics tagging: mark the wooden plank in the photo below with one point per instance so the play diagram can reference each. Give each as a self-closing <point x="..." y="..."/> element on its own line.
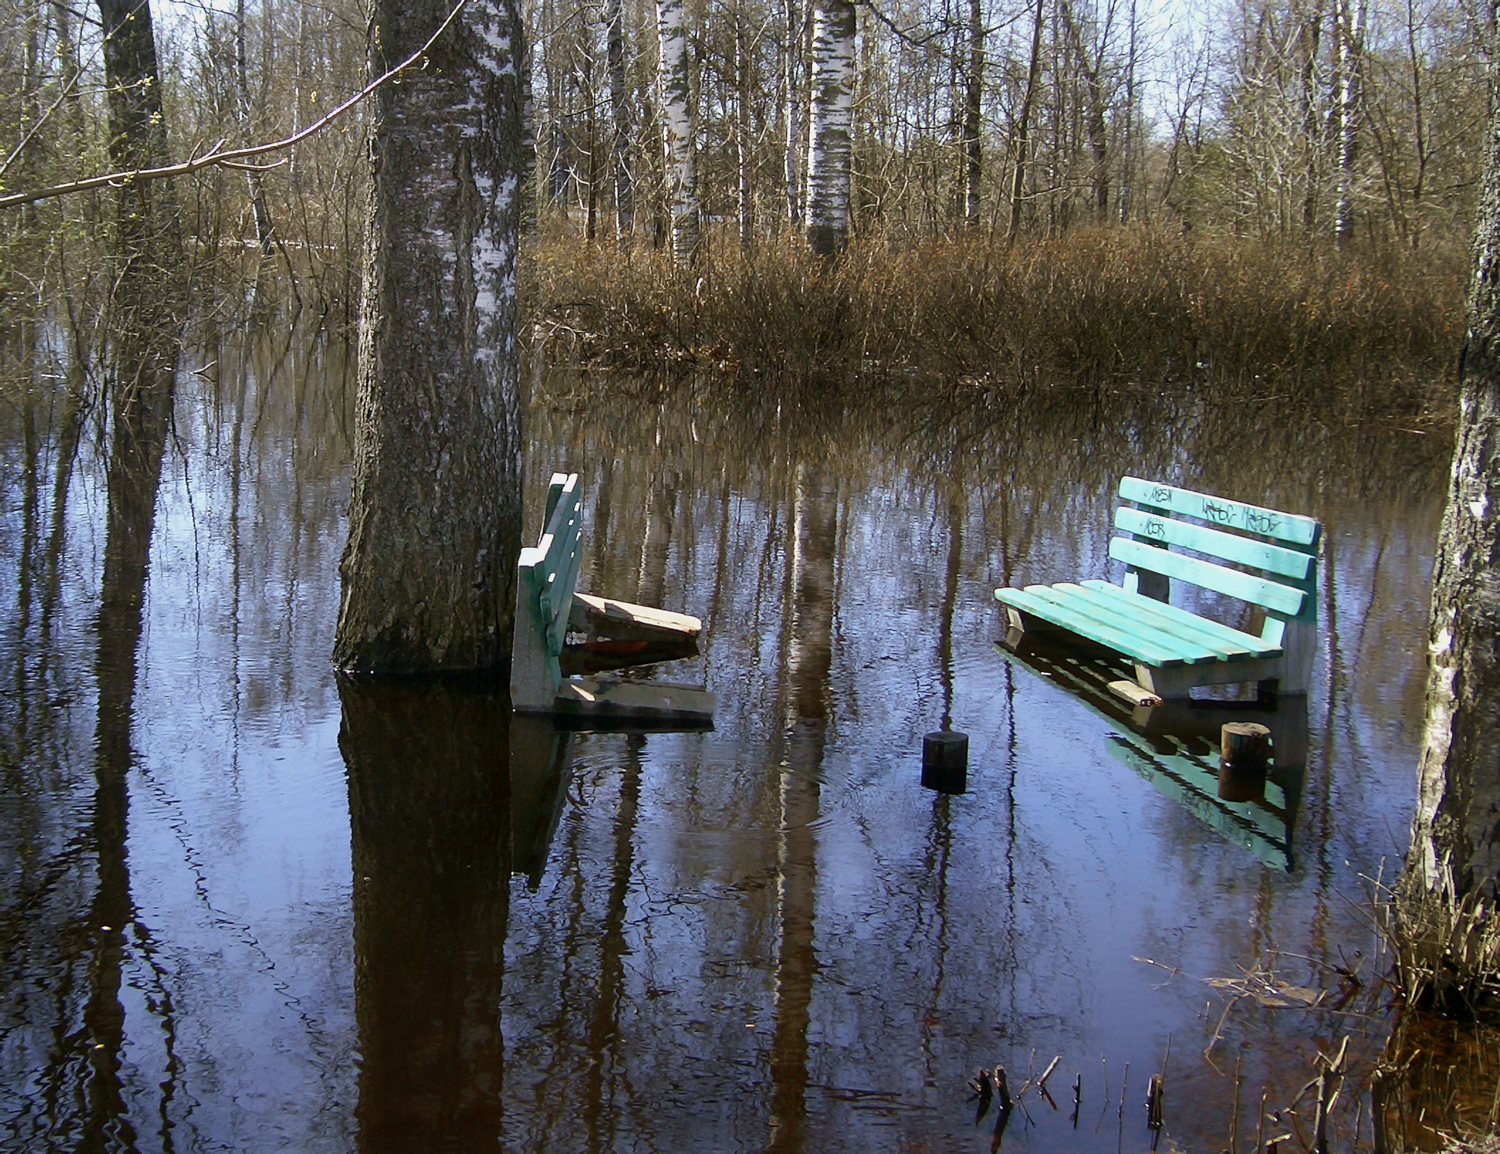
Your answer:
<point x="606" y="617"/>
<point x="1171" y="616"/>
<point x="1132" y="694"/>
<point x="1290" y="528"/>
<point x="1028" y="600"/>
<point x="645" y="700"/>
<point x="1174" y="683"/>
<point x="1076" y="599"/>
<point x="1283" y="599"/>
<point x="534" y="673"/>
<point x="555" y="489"/>
<point x="1247" y="551"/>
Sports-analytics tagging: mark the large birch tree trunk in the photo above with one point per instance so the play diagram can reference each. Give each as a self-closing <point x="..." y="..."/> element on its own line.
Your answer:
<point x="830" y="134"/>
<point x="434" y="517"/>
<point x="677" y="130"/>
<point x="1457" y="822"/>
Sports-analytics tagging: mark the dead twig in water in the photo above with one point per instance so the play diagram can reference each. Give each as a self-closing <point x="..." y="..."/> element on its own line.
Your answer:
<point x="1172" y="971"/>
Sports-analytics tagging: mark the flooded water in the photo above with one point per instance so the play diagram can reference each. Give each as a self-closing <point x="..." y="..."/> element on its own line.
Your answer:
<point x="249" y="905"/>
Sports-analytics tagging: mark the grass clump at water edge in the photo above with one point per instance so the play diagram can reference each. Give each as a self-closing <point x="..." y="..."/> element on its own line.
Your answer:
<point x="1444" y="946"/>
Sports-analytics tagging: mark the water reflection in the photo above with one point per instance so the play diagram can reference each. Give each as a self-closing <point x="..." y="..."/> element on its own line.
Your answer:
<point x="1175" y="746"/>
<point x="809" y="650"/>
<point x="430" y="826"/>
<point x="764" y="936"/>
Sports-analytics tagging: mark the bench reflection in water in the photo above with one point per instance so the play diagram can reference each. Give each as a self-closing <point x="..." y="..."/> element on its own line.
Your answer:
<point x="1175" y="745"/>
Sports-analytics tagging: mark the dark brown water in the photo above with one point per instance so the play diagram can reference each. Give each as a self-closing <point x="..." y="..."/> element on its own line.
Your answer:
<point x="246" y="905"/>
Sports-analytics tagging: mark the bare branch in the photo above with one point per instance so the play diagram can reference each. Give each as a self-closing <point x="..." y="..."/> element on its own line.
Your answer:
<point x="226" y="158"/>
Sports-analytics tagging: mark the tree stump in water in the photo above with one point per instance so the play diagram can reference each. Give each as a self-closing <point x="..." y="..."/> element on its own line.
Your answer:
<point x="1244" y="757"/>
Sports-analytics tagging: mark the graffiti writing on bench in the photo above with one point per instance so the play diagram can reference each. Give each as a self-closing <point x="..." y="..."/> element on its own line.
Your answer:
<point x="1156" y="529"/>
<point x="1161" y="495"/>
<point x="1217" y="513"/>
<point x="1260" y="521"/>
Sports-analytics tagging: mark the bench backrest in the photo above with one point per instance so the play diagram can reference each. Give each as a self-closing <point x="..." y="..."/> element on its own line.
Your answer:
<point x="549" y="572"/>
<point x="1262" y="556"/>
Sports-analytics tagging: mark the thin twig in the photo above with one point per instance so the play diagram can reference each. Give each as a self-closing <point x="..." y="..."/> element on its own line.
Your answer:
<point x="215" y="157"/>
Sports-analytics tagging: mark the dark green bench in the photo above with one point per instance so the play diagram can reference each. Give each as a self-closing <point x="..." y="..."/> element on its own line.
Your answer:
<point x="548" y="607"/>
<point x="1266" y="558"/>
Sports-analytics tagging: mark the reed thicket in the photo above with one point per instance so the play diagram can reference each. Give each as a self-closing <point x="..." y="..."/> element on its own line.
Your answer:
<point x="1365" y="330"/>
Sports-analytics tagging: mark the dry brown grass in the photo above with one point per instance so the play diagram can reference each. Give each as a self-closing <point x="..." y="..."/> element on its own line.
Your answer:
<point x="1140" y="307"/>
<point x="1444" y="946"/>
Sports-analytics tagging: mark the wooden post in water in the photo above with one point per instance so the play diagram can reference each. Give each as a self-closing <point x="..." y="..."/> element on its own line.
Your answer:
<point x="945" y="761"/>
<point x="1244" y="757"/>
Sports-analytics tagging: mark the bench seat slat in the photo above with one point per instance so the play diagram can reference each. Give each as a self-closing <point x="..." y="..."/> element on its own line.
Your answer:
<point x="1282" y="599"/>
<point x="1286" y="527"/>
<point x="1288" y="563"/>
<point x="1234" y="641"/>
<point x="1034" y="600"/>
<point x="1074" y="598"/>
<point x="1227" y="644"/>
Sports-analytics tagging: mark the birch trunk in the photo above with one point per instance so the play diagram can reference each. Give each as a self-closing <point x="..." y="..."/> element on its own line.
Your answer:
<point x="1023" y="126"/>
<point x="1351" y="52"/>
<point x="434" y="517"/>
<point x="831" y="126"/>
<point x="619" y="99"/>
<point x="1457" y="822"/>
<point x="973" y="106"/>
<point x="677" y="131"/>
<point x="742" y="126"/>
<point x="790" y="169"/>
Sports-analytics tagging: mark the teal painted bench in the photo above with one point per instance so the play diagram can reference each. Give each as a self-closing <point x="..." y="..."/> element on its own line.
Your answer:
<point x="1266" y="558"/>
<point x="548" y="607"/>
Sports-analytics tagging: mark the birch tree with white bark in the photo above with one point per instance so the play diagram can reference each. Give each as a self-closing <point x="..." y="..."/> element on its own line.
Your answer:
<point x="831" y="127"/>
<point x="434" y="516"/>
<point x="675" y="95"/>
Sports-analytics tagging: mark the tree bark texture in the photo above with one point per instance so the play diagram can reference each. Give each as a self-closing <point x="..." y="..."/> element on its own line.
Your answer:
<point x="428" y="572"/>
<point x="677" y="130"/>
<point x="1023" y="125"/>
<point x="145" y="215"/>
<point x="619" y="101"/>
<point x="1351" y="45"/>
<point x="791" y="74"/>
<point x="1457" y="822"/>
<point x="973" y="107"/>
<point x="831" y="127"/>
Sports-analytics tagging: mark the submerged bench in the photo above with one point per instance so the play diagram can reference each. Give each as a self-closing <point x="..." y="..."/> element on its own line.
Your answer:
<point x="548" y="607"/>
<point x="1260" y="556"/>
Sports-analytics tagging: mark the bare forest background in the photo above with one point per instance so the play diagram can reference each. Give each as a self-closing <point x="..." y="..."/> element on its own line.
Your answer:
<point x="1259" y="190"/>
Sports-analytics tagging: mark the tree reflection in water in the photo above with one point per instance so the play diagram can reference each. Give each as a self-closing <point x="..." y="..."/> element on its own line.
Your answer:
<point x="430" y="826"/>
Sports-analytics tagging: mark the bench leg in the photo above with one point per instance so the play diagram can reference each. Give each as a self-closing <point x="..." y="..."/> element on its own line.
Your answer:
<point x="1168" y="684"/>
